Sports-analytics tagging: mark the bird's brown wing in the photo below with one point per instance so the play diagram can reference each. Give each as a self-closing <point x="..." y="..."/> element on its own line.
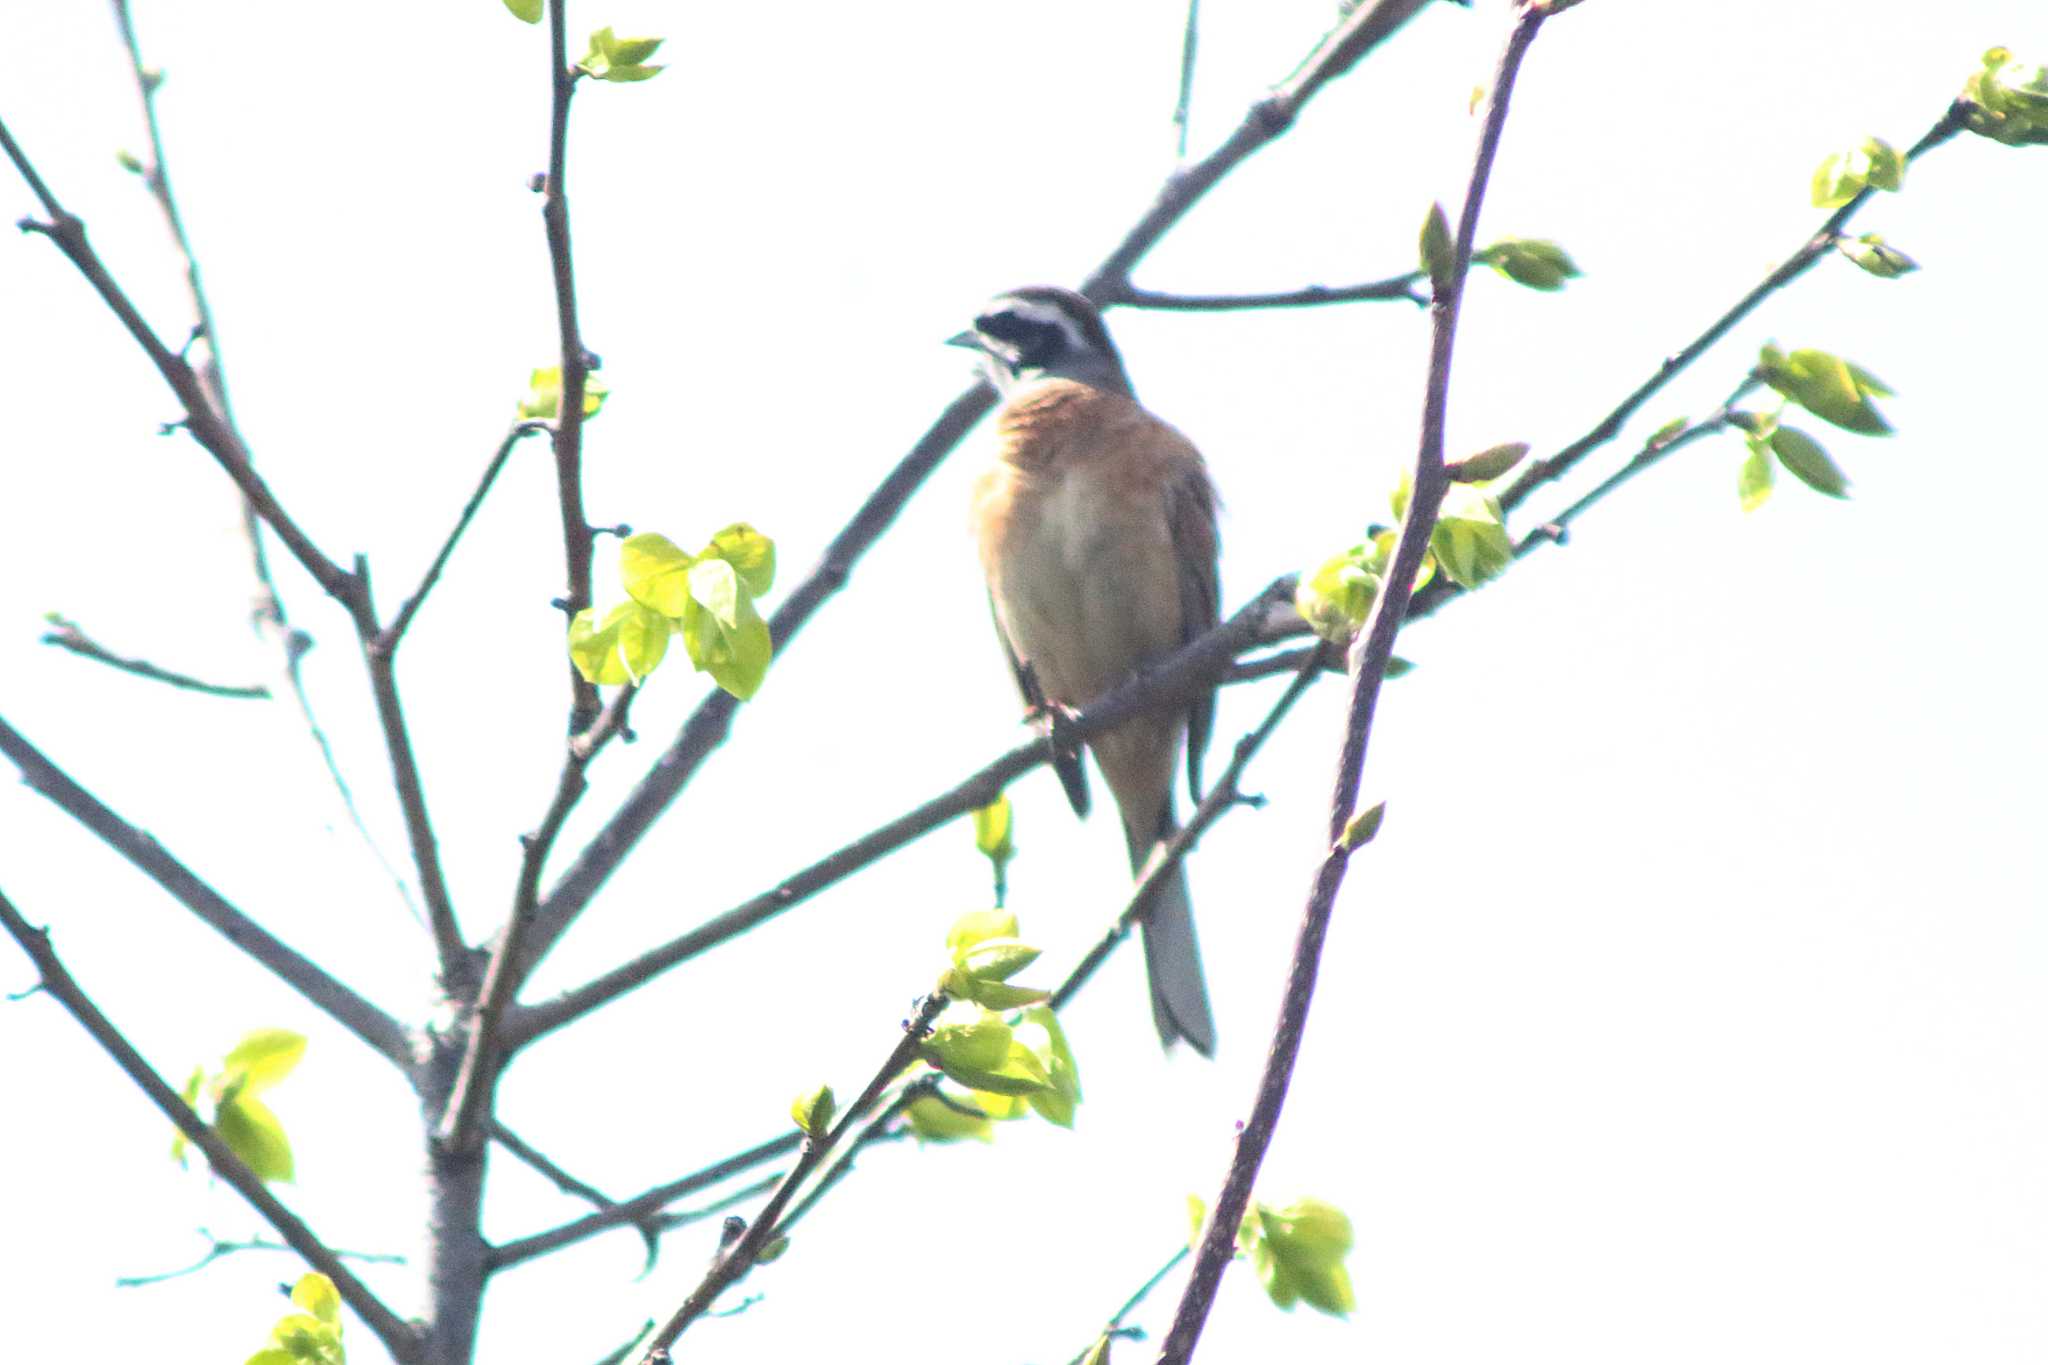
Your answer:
<point x="1072" y="774"/>
<point x="1191" y="518"/>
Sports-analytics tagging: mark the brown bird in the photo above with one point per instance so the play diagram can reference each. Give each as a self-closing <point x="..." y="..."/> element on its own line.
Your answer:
<point x="1097" y="526"/>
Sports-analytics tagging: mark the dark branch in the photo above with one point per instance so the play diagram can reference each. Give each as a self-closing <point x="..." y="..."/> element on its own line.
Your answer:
<point x="393" y="633"/>
<point x="1174" y="679"/>
<point x="398" y="1337"/>
<point x="1370" y="656"/>
<point x="1408" y="287"/>
<point x="68" y="636"/>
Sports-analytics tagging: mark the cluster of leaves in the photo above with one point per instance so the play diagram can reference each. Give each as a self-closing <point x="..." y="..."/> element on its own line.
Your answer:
<point x="309" y="1337"/>
<point x="1875" y="165"/>
<point x="2008" y="100"/>
<point x="1001" y="1043"/>
<point x="707" y="598"/>
<point x="245" y="1122"/>
<point x="1827" y="386"/>
<point x="1529" y="261"/>
<point x="1469" y="543"/>
<point x="1298" y="1252"/>
<point x="612" y="58"/>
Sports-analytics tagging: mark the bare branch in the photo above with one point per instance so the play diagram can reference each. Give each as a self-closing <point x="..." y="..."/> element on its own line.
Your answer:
<point x="707" y="727"/>
<point x="1820" y="244"/>
<point x="1172" y="680"/>
<point x="381" y="1032"/>
<point x="1115" y="1326"/>
<point x="68" y="635"/>
<point x="1370" y="655"/>
<point x="219" y="1248"/>
<point x="398" y="1336"/>
<point x="1188" y="42"/>
<point x="462" y="1127"/>
<point x="1407" y="287"/>
<point x="738" y="1259"/>
<point x="393" y="633"/>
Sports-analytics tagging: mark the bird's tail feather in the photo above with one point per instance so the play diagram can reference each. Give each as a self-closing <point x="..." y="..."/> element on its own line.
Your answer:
<point x="1173" y="960"/>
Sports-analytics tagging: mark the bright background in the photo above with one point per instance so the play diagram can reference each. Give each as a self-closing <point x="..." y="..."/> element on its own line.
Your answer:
<point x="1689" y="1006"/>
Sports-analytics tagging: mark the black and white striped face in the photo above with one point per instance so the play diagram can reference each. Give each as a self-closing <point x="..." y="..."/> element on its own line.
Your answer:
<point x="1041" y="332"/>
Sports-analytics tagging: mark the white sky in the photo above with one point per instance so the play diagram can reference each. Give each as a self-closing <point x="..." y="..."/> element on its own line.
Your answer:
<point x="1689" y="1007"/>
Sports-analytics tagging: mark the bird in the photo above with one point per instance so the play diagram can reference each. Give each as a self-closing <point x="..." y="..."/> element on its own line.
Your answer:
<point x="1096" y="524"/>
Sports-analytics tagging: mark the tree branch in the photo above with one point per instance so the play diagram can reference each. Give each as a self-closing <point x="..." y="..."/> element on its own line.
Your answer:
<point x="1802" y="260"/>
<point x="398" y="1336"/>
<point x="739" y="1257"/>
<point x="219" y="1248"/>
<point x="1408" y="287"/>
<point x="382" y="1033"/>
<point x="708" y="726"/>
<point x="1173" y="679"/>
<point x="67" y="635"/>
<point x="1371" y="653"/>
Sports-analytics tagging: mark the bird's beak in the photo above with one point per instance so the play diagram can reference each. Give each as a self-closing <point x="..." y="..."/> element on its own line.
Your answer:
<point x="970" y="339"/>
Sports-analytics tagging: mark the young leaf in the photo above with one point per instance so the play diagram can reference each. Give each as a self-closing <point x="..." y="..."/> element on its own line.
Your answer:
<point x="735" y="649"/>
<point x="316" y="1294"/>
<point x="1754" y="484"/>
<point x="1871" y="252"/>
<point x="1828" y="387"/>
<point x="544" y="394"/>
<point x="936" y="1120"/>
<point x="813" y="1111"/>
<point x="526" y="11"/>
<point x="1363" y="827"/>
<point x="2007" y="101"/>
<point x="1876" y="164"/>
<point x="996" y="959"/>
<point x="627" y="646"/>
<point x="265" y="1057"/>
<point x="751" y="554"/>
<point x="977" y="926"/>
<point x="1437" y="249"/>
<point x="190" y="1094"/>
<point x="655" y="572"/>
<point x="1040" y="1031"/>
<point x="1809" y="463"/>
<point x="1530" y="262"/>
<point x="1337" y="595"/>
<point x="992" y="830"/>
<point x="1490" y="463"/>
<point x="254" y="1134"/>
<point x="1469" y="539"/>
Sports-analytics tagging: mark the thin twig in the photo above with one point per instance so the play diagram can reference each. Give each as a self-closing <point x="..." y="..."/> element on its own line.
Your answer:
<point x="379" y="1030"/>
<point x="641" y="1206"/>
<point x="1221" y="797"/>
<point x="559" y="1178"/>
<point x="738" y="1259"/>
<point x="577" y="538"/>
<point x="1264" y="122"/>
<point x="1173" y="679"/>
<point x="67" y="635"/>
<point x="393" y="633"/>
<point x="1115" y="1326"/>
<point x="1187" y="80"/>
<point x="462" y="1127"/>
<point x="1370" y="656"/>
<point x="219" y="1248"/>
<point x="1820" y="244"/>
<point x="397" y="1335"/>
<point x="1408" y="287"/>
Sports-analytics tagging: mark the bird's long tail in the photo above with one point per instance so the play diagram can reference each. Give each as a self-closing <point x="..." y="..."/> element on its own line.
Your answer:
<point x="1173" y="960"/>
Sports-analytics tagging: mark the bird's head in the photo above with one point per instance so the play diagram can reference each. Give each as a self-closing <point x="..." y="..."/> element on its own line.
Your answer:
<point x="1044" y="332"/>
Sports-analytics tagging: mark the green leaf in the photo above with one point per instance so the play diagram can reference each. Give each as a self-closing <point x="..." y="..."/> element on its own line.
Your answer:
<point x="734" y="649"/>
<point x="977" y="926"/>
<point x="655" y="572"/>
<point x="934" y="1120"/>
<point x="1530" y="262"/>
<point x="1662" y="435"/>
<point x="1828" y="387"/>
<point x="1490" y="463"/>
<point x="1098" y="1354"/>
<point x="544" y="394"/>
<point x="306" y="1340"/>
<point x="1438" y="251"/>
<point x="612" y="58"/>
<point x="1198" y="1212"/>
<point x="981" y="1051"/>
<point x="1871" y="252"/>
<point x="1040" y="1031"/>
<point x="751" y="554"/>
<point x="626" y="647"/>
<point x="992" y="831"/>
<point x="1875" y="164"/>
<point x="1469" y="539"/>
<point x="771" y="1250"/>
<point x="316" y="1294"/>
<point x="997" y="959"/>
<point x="526" y="11"/>
<point x="1754" y="484"/>
<point x="254" y="1134"/>
<point x="270" y="1355"/>
<point x="997" y="995"/>
<point x="1809" y="463"/>
<point x="2007" y="101"/>
<point x="634" y="51"/>
<point x="265" y="1057"/>
<point x="1362" y="827"/>
<point x="1299" y="1253"/>
<point x="813" y="1110"/>
<point x="1337" y="595"/>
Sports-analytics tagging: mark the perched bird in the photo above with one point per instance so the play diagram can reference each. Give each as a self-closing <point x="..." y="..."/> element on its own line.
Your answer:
<point x="1097" y="527"/>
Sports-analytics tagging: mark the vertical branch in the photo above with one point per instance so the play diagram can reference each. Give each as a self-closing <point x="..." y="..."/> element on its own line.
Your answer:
<point x="577" y="539"/>
<point x="1370" y="655"/>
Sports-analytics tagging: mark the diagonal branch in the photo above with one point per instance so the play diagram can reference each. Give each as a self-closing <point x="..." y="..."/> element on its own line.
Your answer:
<point x="1172" y="680"/>
<point x="1801" y="261"/>
<point x="398" y="1336"/>
<point x="1408" y="287"/>
<point x="1266" y="121"/>
<point x="68" y="635"/>
<point x="379" y="1030"/>
<point x="1371" y="653"/>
